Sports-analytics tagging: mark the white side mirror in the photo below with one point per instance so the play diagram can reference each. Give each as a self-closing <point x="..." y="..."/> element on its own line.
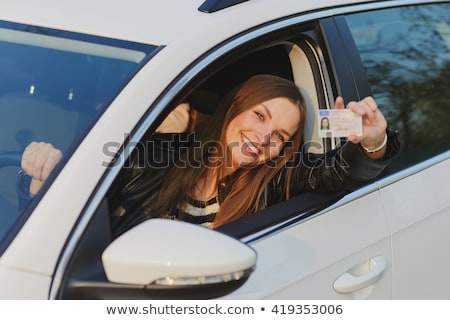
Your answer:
<point x="165" y="253"/>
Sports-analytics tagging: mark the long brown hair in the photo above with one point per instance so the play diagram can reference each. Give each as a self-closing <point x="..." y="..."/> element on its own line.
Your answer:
<point x="248" y="184"/>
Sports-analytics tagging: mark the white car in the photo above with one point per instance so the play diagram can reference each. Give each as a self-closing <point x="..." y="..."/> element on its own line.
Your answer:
<point x="96" y="77"/>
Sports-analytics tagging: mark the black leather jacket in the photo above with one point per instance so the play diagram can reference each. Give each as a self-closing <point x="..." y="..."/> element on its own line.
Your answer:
<point x="135" y="192"/>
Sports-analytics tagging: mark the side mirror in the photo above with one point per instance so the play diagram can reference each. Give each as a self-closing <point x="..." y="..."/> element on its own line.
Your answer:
<point x="178" y="260"/>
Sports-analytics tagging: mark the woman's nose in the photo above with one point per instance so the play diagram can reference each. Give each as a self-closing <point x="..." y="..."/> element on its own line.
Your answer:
<point x="265" y="137"/>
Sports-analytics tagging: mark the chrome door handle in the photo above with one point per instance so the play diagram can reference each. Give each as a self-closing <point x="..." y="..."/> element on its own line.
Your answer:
<point x="352" y="281"/>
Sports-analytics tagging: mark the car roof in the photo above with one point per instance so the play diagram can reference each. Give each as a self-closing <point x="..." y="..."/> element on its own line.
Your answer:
<point x="153" y="22"/>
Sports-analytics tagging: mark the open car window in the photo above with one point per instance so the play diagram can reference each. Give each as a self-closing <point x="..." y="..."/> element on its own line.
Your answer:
<point x="296" y="61"/>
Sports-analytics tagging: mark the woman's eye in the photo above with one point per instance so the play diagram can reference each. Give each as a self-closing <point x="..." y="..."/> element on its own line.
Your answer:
<point x="279" y="136"/>
<point x="259" y="115"/>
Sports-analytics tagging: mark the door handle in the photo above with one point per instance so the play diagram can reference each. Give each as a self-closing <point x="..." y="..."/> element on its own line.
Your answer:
<point x="361" y="276"/>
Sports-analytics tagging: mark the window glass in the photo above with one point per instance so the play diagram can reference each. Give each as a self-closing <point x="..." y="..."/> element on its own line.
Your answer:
<point x="53" y="86"/>
<point x="406" y="53"/>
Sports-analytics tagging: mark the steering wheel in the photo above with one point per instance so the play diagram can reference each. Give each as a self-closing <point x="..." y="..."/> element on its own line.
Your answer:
<point x="14" y="159"/>
<point x="10" y="159"/>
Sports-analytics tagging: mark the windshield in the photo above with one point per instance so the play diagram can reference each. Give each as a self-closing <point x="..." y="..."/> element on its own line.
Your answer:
<point x="53" y="86"/>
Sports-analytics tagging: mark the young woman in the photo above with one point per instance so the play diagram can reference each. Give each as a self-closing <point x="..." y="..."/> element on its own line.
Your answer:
<point x="249" y="157"/>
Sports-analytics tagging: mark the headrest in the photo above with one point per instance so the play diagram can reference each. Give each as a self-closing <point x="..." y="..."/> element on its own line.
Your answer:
<point x="273" y="60"/>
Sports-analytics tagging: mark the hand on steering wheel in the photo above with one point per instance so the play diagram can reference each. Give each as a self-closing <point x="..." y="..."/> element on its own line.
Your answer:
<point x="39" y="159"/>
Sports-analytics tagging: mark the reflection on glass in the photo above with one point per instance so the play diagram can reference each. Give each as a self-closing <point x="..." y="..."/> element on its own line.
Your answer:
<point x="53" y="86"/>
<point x="406" y="53"/>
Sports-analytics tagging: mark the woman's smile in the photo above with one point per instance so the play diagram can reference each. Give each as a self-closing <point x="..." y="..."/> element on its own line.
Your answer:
<point x="250" y="147"/>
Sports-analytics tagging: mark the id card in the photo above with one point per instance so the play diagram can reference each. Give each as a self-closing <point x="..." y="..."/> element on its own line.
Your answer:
<point x="339" y="123"/>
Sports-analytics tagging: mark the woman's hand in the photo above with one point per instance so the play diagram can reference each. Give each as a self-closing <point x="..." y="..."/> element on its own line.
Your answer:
<point x="374" y="125"/>
<point x="38" y="161"/>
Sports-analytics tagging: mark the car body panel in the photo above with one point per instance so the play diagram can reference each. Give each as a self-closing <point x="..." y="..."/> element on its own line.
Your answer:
<point x="303" y="262"/>
<point x="23" y="284"/>
<point x="420" y="234"/>
<point x="181" y="19"/>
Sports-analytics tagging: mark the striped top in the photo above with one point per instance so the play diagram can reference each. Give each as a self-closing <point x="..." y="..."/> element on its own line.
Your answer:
<point x="198" y="212"/>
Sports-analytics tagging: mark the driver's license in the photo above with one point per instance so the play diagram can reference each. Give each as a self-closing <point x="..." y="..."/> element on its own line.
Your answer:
<point x="339" y="123"/>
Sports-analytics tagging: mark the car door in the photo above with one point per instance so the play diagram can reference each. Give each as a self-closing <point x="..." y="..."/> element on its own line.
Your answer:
<point x="342" y="253"/>
<point x="407" y="58"/>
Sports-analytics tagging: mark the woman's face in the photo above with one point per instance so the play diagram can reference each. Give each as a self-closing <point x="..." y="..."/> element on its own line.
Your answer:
<point x="259" y="133"/>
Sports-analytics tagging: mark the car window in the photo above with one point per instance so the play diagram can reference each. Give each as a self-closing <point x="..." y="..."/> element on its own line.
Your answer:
<point x="131" y="199"/>
<point x="406" y="53"/>
<point x="53" y="86"/>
